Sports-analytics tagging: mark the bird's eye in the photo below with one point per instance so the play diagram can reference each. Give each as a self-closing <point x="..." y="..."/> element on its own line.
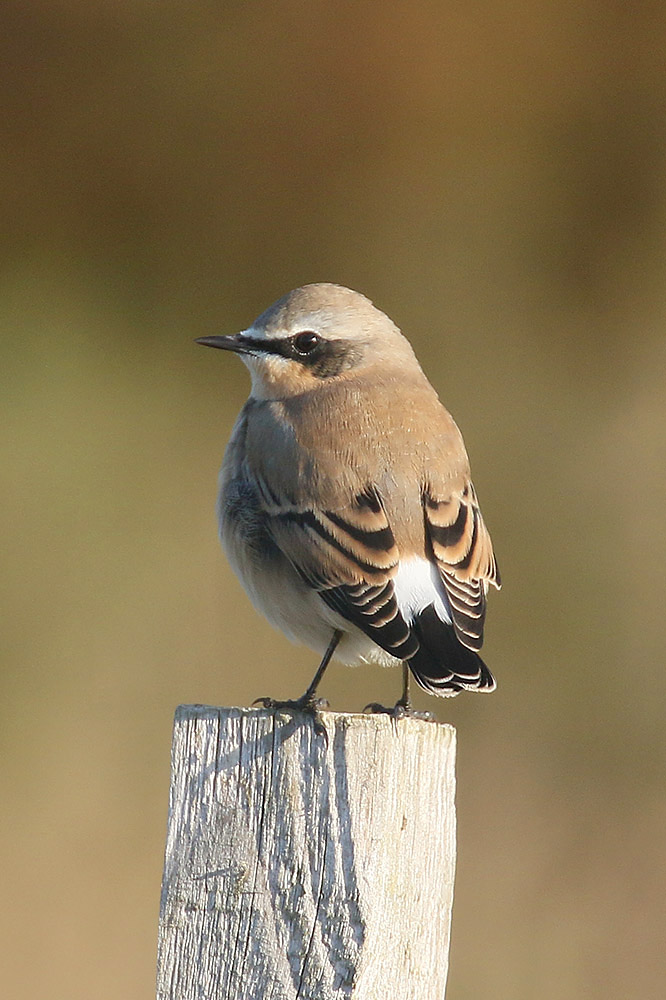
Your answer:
<point x="306" y="342"/>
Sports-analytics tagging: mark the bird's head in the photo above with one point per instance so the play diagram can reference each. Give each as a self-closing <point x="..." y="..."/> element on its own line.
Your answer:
<point x="312" y="335"/>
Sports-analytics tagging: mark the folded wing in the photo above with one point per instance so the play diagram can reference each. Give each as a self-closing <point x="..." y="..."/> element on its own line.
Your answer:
<point x="462" y="549"/>
<point x="350" y="557"/>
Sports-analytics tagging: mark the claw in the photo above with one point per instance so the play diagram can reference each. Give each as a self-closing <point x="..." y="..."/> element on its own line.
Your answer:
<point x="297" y="705"/>
<point x="376" y="709"/>
<point x="308" y="704"/>
<point x="399" y="711"/>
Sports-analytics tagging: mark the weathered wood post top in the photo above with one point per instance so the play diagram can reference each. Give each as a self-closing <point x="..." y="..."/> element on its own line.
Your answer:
<point x="304" y="866"/>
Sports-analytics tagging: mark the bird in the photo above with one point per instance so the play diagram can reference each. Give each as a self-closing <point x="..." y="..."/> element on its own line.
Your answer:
<point x="345" y="502"/>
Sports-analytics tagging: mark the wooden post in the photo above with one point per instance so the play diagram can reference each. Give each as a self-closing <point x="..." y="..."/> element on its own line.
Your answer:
<point x="300" y="867"/>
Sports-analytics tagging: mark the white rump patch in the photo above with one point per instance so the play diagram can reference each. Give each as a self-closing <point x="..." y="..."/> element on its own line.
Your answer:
<point x="417" y="585"/>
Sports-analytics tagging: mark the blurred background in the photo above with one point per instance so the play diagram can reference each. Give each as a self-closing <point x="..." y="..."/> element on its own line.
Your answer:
<point x="492" y="176"/>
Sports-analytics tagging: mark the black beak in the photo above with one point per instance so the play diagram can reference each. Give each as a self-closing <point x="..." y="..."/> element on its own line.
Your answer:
<point x="235" y="343"/>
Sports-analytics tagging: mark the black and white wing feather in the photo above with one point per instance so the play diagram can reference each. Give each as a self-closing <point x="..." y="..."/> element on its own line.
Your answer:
<point x="463" y="552"/>
<point x="350" y="557"/>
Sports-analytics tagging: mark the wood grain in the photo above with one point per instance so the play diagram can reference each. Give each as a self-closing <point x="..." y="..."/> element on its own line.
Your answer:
<point x="299" y="866"/>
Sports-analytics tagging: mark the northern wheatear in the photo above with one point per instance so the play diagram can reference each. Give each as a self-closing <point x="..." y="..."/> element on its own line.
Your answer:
<point x="346" y="506"/>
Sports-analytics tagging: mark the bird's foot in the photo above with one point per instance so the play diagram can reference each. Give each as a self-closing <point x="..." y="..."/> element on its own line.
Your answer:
<point x="401" y="710"/>
<point x="306" y="703"/>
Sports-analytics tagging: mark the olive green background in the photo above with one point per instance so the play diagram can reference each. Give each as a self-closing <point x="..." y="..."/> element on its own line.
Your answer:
<point x="492" y="176"/>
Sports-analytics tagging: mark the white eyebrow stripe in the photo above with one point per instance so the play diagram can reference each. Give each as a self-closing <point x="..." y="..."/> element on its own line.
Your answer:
<point x="259" y="333"/>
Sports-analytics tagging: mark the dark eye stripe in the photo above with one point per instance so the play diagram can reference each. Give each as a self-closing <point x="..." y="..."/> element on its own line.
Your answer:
<point x="329" y="357"/>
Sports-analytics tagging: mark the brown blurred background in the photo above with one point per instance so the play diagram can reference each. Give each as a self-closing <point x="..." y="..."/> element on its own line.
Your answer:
<point x="493" y="177"/>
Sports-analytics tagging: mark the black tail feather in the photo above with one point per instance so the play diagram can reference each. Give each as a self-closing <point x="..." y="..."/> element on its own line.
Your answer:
<point x="442" y="665"/>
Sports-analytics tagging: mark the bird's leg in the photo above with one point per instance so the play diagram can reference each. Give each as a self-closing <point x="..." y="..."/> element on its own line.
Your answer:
<point x="307" y="702"/>
<point x="405" y="702"/>
<point x="403" y="707"/>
